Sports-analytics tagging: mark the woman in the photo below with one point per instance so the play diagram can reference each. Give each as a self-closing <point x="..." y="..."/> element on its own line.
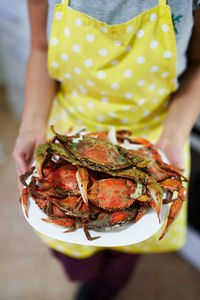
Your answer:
<point x="112" y="62"/>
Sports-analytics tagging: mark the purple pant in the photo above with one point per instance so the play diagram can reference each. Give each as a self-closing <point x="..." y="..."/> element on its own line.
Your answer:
<point x="105" y="273"/>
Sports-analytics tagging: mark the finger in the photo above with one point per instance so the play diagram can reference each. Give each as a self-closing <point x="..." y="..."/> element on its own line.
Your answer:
<point x="21" y="165"/>
<point x="20" y="187"/>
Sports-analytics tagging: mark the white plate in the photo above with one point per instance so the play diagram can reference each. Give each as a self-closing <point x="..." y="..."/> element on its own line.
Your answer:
<point x="126" y="235"/>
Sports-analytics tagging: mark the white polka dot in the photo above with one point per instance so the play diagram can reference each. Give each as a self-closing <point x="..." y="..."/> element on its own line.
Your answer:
<point x="78" y="121"/>
<point x="76" y="252"/>
<point x="60" y="247"/>
<point x="114" y="62"/>
<point x="141" y="101"/>
<point x="140" y="82"/>
<point x="128" y="95"/>
<point x="153" y="17"/>
<point x="104" y="99"/>
<point x="90" y="37"/>
<point x="65" y="96"/>
<point x="115" y="86"/>
<point x="90" y="83"/>
<point x="161" y="91"/>
<point x="91" y="105"/>
<point x="154" y="69"/>
<point x="165" y="74"/>
<point x="54" y="41"/>
<point x="80" y="86"/>
<point x="88" y="62"/>
<point x="59" y="15"/>
<point x="78" y="22"/>
<point x="146" y="113"/>
<point x="155" y="100"/>
<point x="71" y="109"/>
<point x="84" y="91"/>
<point x="112" y="114"/>
<point x="103" y="93"/>
<point x="77" y="70"/>
<point x="129" y="28"/>
<point x="167" y="54"/>
<point x="80" y="108"/>
<point x="128" y="48"/>
<point x="103" y="29"/>
<point x="165" y="27"/>
<point x="55" y="64"/>
<point x="103" y="52"/>
<point x="67" y="31"/>
<point x="76" y="48"/>
<point x="60" y="79"/>
<point x="140" y="33"/>
<point x="140" y="59"/>
<point x="117" y="43"/>
<point x="74" y="93"/>
<point x="156" y="117"/>
<point x="154" y="44"/>
<point x="64" y="56"/>
<point x="124" y="121"/>
<point x="64" y="115"/>
<point x="101" y="74"/>
<point x="100" y="118"/>
<point x="67" y="76"/>
<point x="126" y="108"/>
<point x="99" y="128"/>
<point x="152" y="87"/>
<point x="135" y="108"/>
<point x="128" y="73"/>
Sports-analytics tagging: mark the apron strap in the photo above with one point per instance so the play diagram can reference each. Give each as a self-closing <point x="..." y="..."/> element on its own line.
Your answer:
<point x="162" y="2"/>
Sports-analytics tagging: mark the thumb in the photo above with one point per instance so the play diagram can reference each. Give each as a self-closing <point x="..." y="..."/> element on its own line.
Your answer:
<point x="173" y="152"/>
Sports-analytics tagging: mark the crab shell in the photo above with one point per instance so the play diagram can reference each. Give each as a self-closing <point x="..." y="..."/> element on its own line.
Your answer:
<point x="111" y="219"/>
<point x="112" y="193"/>
<point x="63" y="177"/>
<point x="98" y="154"/>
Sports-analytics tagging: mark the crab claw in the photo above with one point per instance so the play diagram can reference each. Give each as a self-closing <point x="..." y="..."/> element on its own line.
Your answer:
<point x="82" y="178"/>
<point x="175" y="209"/>
<point x="25" y="200"/>
<point x="156" y="198"/>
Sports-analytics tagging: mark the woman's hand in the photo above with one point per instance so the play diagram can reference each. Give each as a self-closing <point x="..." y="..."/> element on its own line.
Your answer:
<point x="24" y="149"/>
<point x="173" y="152"/>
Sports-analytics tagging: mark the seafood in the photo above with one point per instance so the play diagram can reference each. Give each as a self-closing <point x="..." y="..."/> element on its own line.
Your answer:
<point x="100" y="180"/>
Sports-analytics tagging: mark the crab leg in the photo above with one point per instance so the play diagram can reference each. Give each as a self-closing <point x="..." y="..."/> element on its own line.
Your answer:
<point x="87" y="234"/>
<point x="66" y="222"/>
<point x="41" y="157"/>
<point x="171" y="184"/>
<point x="25" y="176"/>
<point x="175" y="209"/>
<point x="25" y="200"/>
<point x="82" y="178"/>
<point x="141" y="211"/>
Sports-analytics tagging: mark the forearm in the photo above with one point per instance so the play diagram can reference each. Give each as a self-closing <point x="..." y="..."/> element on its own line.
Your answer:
<point x="184" y="107"/>
<point x="39" y="92"/>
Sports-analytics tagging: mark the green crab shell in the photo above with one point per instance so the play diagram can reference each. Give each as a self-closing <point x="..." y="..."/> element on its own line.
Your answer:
<point x="98" y="154"/>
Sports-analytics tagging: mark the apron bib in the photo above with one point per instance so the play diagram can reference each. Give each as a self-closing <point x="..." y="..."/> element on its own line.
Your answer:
<point x="119" y="75"/>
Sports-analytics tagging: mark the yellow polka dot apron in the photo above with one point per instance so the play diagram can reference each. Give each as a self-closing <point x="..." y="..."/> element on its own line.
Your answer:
<point x="119" y="75"/>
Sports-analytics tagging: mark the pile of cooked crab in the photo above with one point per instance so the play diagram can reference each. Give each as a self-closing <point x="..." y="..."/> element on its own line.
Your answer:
<point x="101" y="180"/>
